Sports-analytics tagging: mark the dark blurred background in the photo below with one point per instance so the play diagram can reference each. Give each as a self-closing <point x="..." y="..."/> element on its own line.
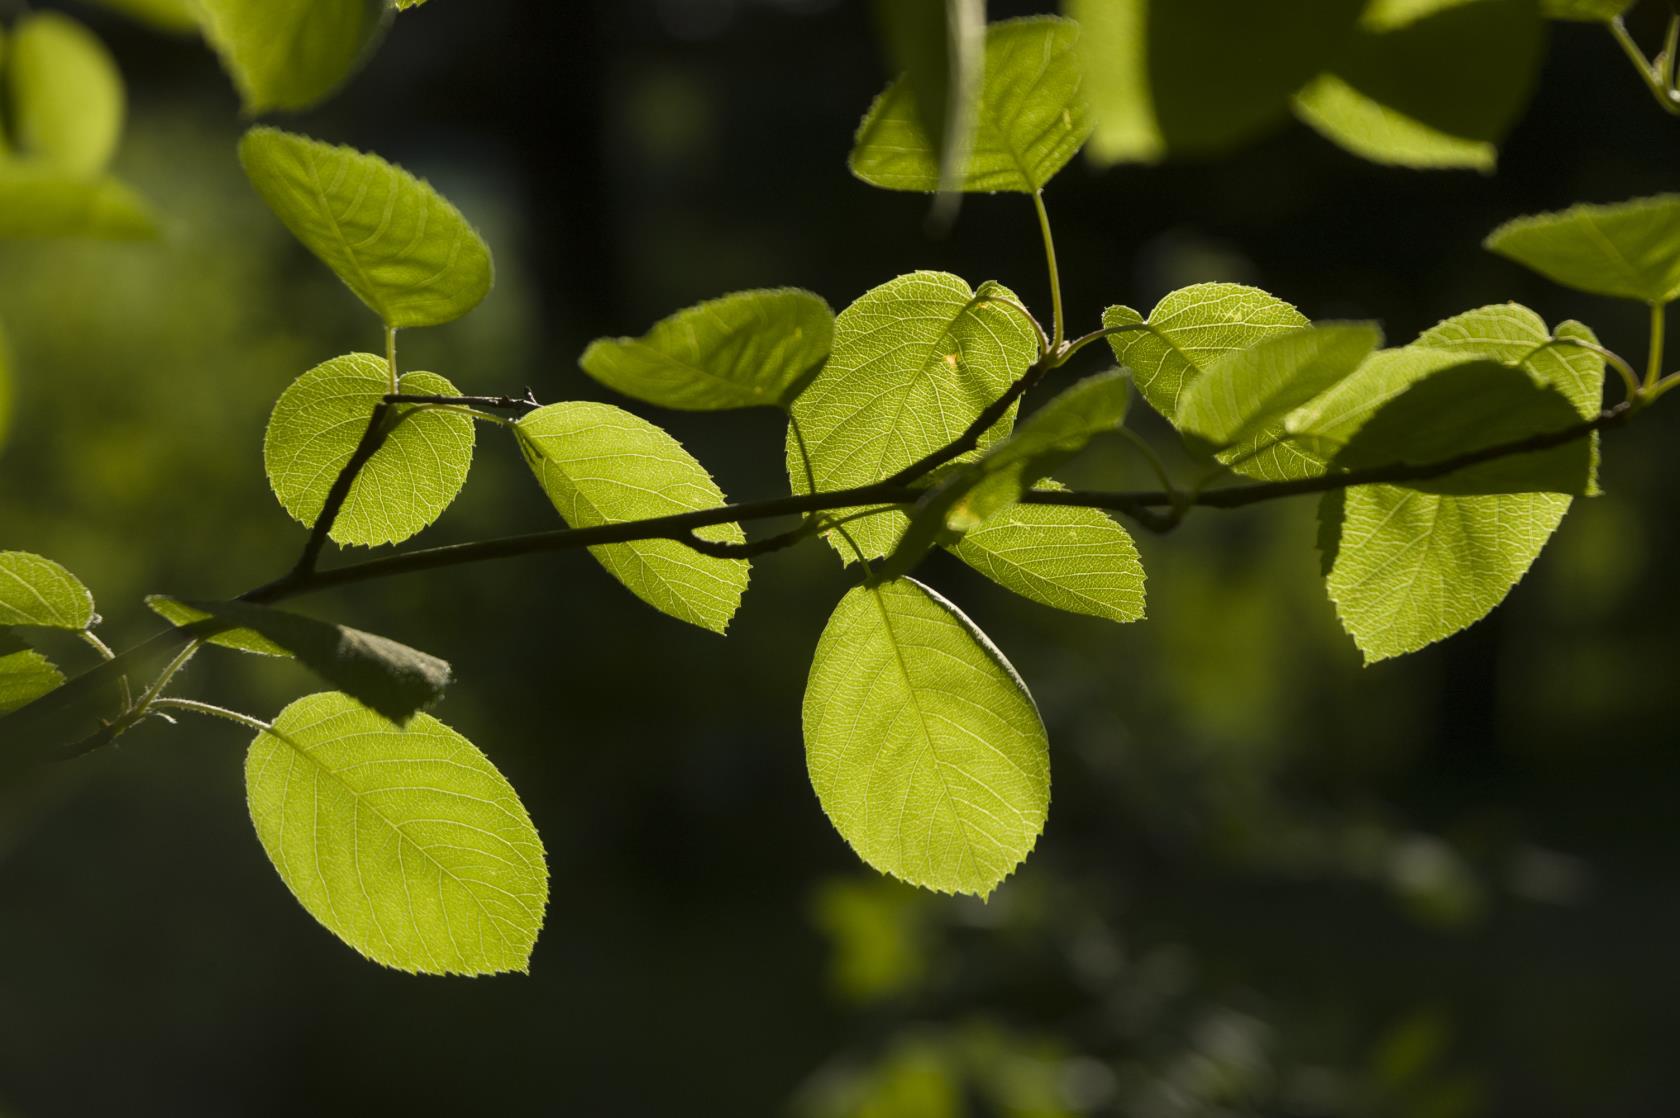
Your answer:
<point x="1273" y="882"/>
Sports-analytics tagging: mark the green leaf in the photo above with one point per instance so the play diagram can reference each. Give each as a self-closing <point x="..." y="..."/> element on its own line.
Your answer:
<point x="79" y="715"/>
<point x="1072" y="559"/>
<point x="1169" y="77"/>
<point x="1032" y="117"/>
<point x="407" y="484"/>
<point x="64" y="94"/>
<point x="939" y="46"/>
<point x="38" y="202"/>
<point x="601" y="465"/>
<point x="1320" y="428"/>
<point x="1630" y="250"/>
<point x="1514" y="335"/>
<point x="38" y="592"/>
<point x="397" y="243"/>
<point x="25" y="675"/>
<point x="915" y="362"/>
<point x="742" y="350"/>
<point x="178" y="16"/>
<point x="404" y="5"/>
<point x="1190" y="329"/>
<point x="387" y="677"/>
<point x="1436" y="83"/>
<point x="406" y="844"/>
<point x="923" y="745"/>
<point x="1584" y="10"/>
<point x="972" y="493"/>
<point x="291" y="54"/>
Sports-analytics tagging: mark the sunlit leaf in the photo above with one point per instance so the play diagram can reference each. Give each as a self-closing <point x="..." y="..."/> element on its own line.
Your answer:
<point x="318" y="423"/>
<point x="290" y="54"/>
<point x="404" y="5"/>
<point x="939" y="46"/>
<point x="38" y="592"/>
<point x="1191" y="77"/>
<point x="406" y="843"/>
<point x="742" y="350"/>
<point x="381" y="674"/>
<point x="1515" y="335"/>
<point x="1630" y="250"/>
<point x="39" y="202"/>
<point x="1032" y="117"/>
<point x="25" y="674"/>
<point x="397" y="243"/>
<point x="915" y="362"/>
<point x="602" y="465"/>
<point x="1190" y="329"/>
<point x="64" y="96"/>
<point x="922" y="743"/>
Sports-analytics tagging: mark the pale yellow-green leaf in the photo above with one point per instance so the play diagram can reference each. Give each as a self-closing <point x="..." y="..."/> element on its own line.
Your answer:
<point x="602" y="465"/>
<point x="25" y="674"/>
<point x="1630" y="250"/>
<point x="409" y="481"/>
<point x="64" y="97"/>
<point x="922" y="743"/>
<point x="290" y="54"/>
<point x="405" y="843"/>
<point x="397" y="243"/>
<point x="35" y="591"/>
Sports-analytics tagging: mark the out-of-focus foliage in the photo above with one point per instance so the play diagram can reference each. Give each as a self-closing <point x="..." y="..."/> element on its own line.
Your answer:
<point x="291" y="54"/>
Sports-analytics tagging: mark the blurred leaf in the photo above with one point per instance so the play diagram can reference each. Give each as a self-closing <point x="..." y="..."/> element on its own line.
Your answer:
<point x="915" y="361"/>
<point x="939" y="46"/>
<point x="407" y="844"/>
<point x="1188" y="330"/>
<point x="742" y="350"/>
<point x="25" y="675"/>
<point x="397" y="243"/>
<point x="64" y="96"/>
<point x="1072" y="559"/>
<point x="1431" y="84"/>
<point x="970" y="495"/>
<point x="381" y="674"/>
<point x="1584" y="10"/>
<point x="875" y="930"/>
<point x="601" y="465"/>
<point x="165" y="15"/>
<point x="923" y="745"/>
<point x="38" y="202"/>
<point x="404" y="5"/>
<point x="408" y="483"/>
<point x="290" y="54"/>
<point x="5" y="388"/>
<point x="1194" y="77"/>
<point x="1630" y="250"/>
<point x="38" y="592"/>
<point x="1032" y="117"/>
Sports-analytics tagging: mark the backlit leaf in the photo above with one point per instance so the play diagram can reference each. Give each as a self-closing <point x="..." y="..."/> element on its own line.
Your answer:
<point x="5" y="388"/>
<point x="37" y="592"/>
<point x="64" y="96"/>
<point x="602" y="465"/>
<point x="396" y="242"/>
<point x="25" y="675"/>
<point x="1630" y="250"/>
<point x="1032" y="117"/>
<point x="922" y="743"/>
<point x="290" y="54"/>
<point x="743" y="350"/>
<point x="405" y="843"/>
<point x="939" y="46"/>
<point x="316" y="426"/>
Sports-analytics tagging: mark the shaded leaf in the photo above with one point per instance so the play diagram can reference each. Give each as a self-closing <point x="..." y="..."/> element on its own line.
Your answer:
<point x="64" y="96"/>
<point x="25" y="675"/>
<point x="742" y="350"/>
<point x="922" y="743"/>
<point x="939" y="46"/>
<point x="389" y="678"/>
<point x="290" y="54"/>
<point x="406" y="844"/>
<point x="408" y="483"/>
<point x="601" y="465"/>
<point x="1630" y="250"/>
<point x="36" y="591"/>
<point x="397" y="243"/>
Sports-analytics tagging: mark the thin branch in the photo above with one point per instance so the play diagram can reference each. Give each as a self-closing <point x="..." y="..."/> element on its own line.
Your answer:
<point x="1084" y="340"/>
<point x="372" y="439"/>
<point x="1056" y="323"/>
<point x="193" y="706"/>
<point x="985" y="421"/>
<point x="521" y="405"/>
<point x="1654" y="79"/>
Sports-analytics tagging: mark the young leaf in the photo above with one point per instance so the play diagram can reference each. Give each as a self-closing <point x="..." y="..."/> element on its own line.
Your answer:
<point x="1427" y="84"/>
<point x="1188" y="330"/>
<point x="38" y="592"/>
<point x="1630" y="250"/>
<point x="601" y="465"/>
<point x="939" y="46"/>
<point x="974" y="492"/>
<point x="406" y="844"/>
<point x="391" y="679"/>
<point x="743" y="350"/>
<point x="407" y="484"/>
<point x="25" y="675"/>
<point x="923" y="745"/>
<point x="1032" y="117"/>
<point x="397" y="243"/>
<point x="40" y="202"/>
<point x="290" y="54"/>
<point x="1072" y="559"/>
<point x="1170" y="77"/>
<point x="64" y="95"/>
<point x="915" y="361"/>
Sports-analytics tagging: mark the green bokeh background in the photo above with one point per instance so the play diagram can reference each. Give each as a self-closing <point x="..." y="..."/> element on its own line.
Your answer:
<point x="1273" y="882"/>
